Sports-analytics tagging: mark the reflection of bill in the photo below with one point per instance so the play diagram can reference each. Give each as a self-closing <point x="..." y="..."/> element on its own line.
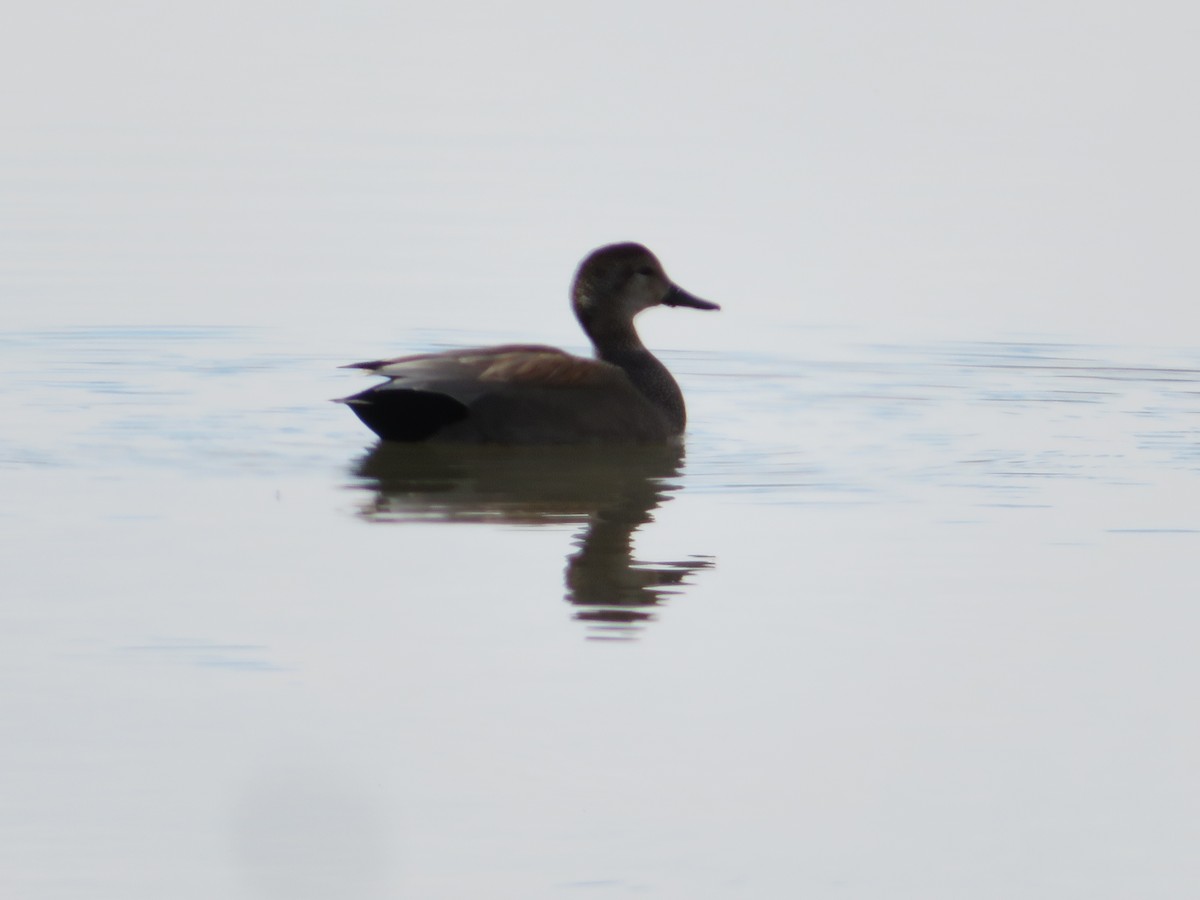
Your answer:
<point x="610" y="491"/>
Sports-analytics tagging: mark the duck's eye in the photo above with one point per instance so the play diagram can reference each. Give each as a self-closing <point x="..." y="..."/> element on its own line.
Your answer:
<point x="647" y="271"/>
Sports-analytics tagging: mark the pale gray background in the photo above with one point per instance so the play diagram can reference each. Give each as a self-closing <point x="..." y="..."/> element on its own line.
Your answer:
<point x="961" y="167"/>
<point x="943" y="453"/>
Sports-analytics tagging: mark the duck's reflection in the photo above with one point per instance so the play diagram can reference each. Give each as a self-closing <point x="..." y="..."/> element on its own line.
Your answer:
<point x="610" y="491"/>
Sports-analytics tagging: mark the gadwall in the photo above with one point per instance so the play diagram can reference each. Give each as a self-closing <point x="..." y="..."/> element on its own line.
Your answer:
<point x="531" y="394"/>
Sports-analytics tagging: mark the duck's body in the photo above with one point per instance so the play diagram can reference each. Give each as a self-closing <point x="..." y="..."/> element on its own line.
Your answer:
<point x="531" y="394"/>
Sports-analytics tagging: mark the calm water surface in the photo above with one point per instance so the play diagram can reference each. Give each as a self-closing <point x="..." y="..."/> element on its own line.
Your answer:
<point x="904" y="620"/>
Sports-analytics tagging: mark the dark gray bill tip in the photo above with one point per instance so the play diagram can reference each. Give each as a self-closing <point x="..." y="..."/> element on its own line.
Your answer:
<point x="677" y="296"/>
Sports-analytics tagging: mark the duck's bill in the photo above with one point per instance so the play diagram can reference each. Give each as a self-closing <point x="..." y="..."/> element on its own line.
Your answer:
<point x="677" y="296"/>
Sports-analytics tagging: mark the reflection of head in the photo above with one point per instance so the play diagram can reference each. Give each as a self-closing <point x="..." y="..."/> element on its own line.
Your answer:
<point x="613" y="589"/>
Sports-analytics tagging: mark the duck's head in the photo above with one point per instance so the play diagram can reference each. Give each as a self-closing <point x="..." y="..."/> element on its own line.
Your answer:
<point x="617" y="282"/>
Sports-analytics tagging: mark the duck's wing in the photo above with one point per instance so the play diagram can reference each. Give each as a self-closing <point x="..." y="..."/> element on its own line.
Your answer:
<point x="407" y="366"/>
<point x="466" y="374"/>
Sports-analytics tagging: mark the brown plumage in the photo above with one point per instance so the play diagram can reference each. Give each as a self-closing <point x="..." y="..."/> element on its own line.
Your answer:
<point x="533" y="394"/>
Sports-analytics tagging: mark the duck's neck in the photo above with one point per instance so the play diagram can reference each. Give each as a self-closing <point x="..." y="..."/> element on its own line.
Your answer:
<point x="618" y="343"/>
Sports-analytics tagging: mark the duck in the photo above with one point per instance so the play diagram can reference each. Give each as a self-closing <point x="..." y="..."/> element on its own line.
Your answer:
<point x="535" y="394"/>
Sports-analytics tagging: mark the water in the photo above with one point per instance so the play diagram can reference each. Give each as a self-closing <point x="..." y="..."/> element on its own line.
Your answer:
<point x="903" y="619"/>
<point x="912" y="614"/>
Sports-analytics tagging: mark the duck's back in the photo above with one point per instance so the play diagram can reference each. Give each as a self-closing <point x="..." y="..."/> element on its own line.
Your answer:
<point x="512" y="394"/>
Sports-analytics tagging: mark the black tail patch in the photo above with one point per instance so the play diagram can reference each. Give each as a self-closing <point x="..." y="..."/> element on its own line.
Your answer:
<point x="397" y="414"/>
